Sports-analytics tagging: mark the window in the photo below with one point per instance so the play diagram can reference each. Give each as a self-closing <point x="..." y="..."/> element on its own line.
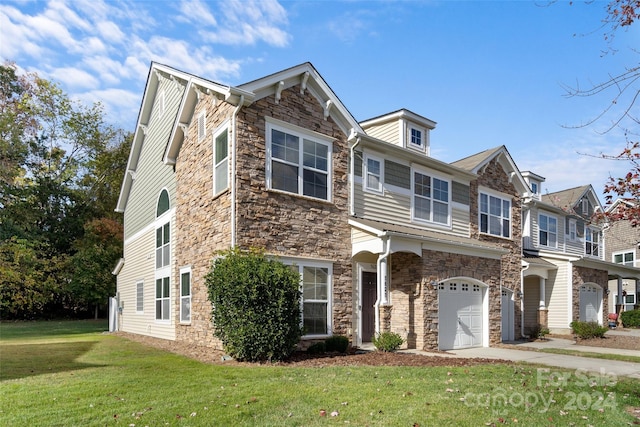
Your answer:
<point x="592" y="242"/>
<point x="416" y="137"/>
<point x="298" y="163"/>
<point x="163" y="246"/>
<point x="548" y="231"/>
<point x="373" y="174"/>
<point x="316" y="296"/>
<point x="202" y="126"/>
<point x="185" y="295"/>
<point x="626" y="258"/>
<point x="573" y="234"/>
<point x="430" y="199"/>
<point x="139" y="297"/>
<point x="163" y="203"/>
<point x="162" y="298"/>
<point x="220" y="161"/>
<point x="495" y="215"/>
<point x="534" y="187"/>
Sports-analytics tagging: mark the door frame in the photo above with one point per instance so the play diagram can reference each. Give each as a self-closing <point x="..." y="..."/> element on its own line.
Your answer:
<point x="362" y="268"/>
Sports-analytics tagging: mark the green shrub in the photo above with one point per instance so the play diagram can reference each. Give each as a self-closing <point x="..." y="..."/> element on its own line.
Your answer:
<point x="256" y="305"/>
<point x="539" y="332"/>
<point x="317" y="348"/>
<point x="586" y="330"/>
<point x="630" y="319"/>
<point x="387" y="341"/>
<point x="337" y="343"/>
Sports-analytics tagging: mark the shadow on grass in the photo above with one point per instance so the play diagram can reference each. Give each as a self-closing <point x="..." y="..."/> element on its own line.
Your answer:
<point x="26" y="360"/>
<point x="50" y="328"/>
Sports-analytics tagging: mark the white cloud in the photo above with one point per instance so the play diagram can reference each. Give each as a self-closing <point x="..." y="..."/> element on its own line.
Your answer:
<point x="110" y="31"/>
<point x="196" y="12"/>
<point x="74" y="78"/>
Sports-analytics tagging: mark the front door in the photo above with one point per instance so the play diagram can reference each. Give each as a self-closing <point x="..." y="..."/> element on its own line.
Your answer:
<point x="369" y="285"/>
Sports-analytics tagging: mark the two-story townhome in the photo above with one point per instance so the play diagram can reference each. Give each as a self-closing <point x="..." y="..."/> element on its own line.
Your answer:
<point x="623" y="247"/>
<point x="566" y="276"/>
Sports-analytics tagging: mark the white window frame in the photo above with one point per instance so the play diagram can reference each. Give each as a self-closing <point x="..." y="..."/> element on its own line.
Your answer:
<point x="220" y="164"/>
<point x="573" y="230"/>
<point x="423" y="138"/>
<point x="300" y="264"/>
<point x="534" y="187"/>
<point x="140" y="297"/>
<point x="202" y="125"/>
<point x="501" y="218"/>
<point x="164" y="300"/>
<point x="589" y="243"/>
<point x="432" y="176"/>
<point x="301" y="134"/>
<point x="367" y="172"/>
<point x="185" y="315"/>
<point x="622" y="255"/>
<point x="540" y="230"/>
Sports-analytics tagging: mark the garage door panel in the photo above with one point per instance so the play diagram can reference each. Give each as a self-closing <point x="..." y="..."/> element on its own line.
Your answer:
<point x="461" y="315"/>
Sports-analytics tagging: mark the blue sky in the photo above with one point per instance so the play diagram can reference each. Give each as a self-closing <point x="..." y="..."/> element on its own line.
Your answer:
<point x="489" y="73"/>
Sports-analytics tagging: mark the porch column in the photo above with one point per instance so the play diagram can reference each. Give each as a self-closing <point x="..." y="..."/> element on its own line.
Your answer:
<point x="542" y="305"/>
<point x="543" y="313"/>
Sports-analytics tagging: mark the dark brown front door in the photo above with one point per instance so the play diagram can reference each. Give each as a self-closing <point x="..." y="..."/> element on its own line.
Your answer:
<point x="369" y="285"/>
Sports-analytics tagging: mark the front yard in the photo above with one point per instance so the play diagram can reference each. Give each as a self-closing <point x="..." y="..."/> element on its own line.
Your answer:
<point x="77" y="376"/>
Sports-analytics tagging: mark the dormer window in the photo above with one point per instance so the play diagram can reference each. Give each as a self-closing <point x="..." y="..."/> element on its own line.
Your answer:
<point x="534" y="188"/>
<point x="417" y="138"/>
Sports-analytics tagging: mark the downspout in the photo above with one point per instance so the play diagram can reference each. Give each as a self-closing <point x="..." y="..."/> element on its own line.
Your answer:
<point x="233" y="170"/>
<point x="381" y="281"/>
<point x="352" y="204"/>
<point x="525" y="267"/>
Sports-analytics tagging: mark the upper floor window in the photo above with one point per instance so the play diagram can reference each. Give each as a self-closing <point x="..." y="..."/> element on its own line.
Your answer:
<point x="373" y="174"/>
<point x="625" y="257"/>
<point x="573" y="233"/>
<point x="163" y="203"/>
<point x="495" y="215"/>
<point x="430" y="199"/>
<point x="417" y="137"/>
<point x="298" y="162"/>
<point x="548" y="231"/>
<point x="163" y="233"/>
<point x="534" y="187"/>
<point x="591" y="242"/>
<point x="220" y="160"/>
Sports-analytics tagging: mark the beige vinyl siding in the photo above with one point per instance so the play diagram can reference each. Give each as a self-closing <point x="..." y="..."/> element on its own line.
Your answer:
<point x="389" y="132"/>
<point x="359" y="236"/>
<point x="152" y="175"/>
<point x="139" y="266"/>
<point x="395" y="207"/>
<point x="558" y="295"/>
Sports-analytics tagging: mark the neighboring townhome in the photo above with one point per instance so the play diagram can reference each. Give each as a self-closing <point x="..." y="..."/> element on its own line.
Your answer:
<point x="566" y="276"/>
<point x="623" y="247"/>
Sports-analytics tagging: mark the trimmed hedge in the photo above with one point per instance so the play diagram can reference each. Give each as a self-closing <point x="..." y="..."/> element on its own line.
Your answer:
<point x="630" y="319"/>
<point x="586" y="330"/>
<point x="256" y="305"/>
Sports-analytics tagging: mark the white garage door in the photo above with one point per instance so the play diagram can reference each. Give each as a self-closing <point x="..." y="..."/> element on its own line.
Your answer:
<point x="589" y="303"/>
<point x="460" y="315"/>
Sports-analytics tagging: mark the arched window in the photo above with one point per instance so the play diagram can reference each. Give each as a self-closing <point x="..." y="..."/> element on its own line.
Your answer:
<point x="163" y="203"/>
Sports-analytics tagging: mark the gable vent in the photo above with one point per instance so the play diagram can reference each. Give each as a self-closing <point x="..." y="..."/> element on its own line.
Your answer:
<point x="202" y="129"/>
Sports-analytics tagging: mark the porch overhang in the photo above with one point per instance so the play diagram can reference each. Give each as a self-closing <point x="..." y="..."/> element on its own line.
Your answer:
<point x="614" y="270"/>
<point x="414" y="240"/>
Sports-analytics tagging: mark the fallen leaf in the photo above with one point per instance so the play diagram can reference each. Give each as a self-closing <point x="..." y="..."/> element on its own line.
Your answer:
<point x="335" y="413"/>
<point x="323" y="413"/>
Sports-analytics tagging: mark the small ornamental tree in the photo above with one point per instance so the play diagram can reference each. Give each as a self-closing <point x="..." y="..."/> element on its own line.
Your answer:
<point x="256" y="305"/>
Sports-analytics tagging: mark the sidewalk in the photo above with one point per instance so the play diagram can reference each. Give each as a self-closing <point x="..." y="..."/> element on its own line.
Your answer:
<point x="519" y="353"/>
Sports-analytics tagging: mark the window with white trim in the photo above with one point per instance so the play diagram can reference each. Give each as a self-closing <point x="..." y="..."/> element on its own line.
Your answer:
<point x="139" y="297"/>
<point x="162" y="298"/>
<point x="185" y="295"/>
<point x="416" y="137"/>
<point x="547" y="231"/>
<point x="315" y="284"/>
<point x="430" y="199"/>
<point x="534" y="188"/>
<point x="591" y="242"/>
<point x="220" y="160"/>
<point x="495" y="215"/>
<point x="373" y="173"/>
<point x="298" y="162"/>
<point x="625" y="257"/>
<point x="163" y="245"/>
<point x="573" y="229"/>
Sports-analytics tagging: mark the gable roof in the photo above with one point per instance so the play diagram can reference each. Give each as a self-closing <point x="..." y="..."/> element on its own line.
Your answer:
<point x="476" y="162"/>
<point x="567" y="199"/>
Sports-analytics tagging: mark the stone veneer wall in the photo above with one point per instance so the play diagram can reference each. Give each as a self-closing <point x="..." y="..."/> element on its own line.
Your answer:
<point x="582" y="275"/>
<point x="292" y="225"/>
<point x="494" y="177"/>
<point x="202" y="223"/>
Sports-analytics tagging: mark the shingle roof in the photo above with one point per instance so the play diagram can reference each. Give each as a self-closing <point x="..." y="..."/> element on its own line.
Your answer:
<point x="566" y="199"/>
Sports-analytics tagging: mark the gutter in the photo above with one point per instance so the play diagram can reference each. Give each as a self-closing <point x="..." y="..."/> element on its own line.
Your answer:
<point x="352" y="175"/>
<point x="233" y="170"/>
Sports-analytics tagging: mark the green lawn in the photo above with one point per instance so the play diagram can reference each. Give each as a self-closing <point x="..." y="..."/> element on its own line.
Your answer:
<point x="71" y="374"/>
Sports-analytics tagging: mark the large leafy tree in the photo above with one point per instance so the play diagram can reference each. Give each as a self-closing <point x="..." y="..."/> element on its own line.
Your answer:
<point x="60" y="165"/>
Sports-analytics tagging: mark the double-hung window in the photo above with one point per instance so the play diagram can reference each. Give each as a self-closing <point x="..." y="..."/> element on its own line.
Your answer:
<point x="624" y="257"/>
<point x="430" y="198"/>
<point x="548" y="231"/>
<point x="162" y="298"/>
<point x="298" y="161"/>
<point x="573" y="227"/>
<point x="373" y="173"/>
<point x="315" y="284"/>
<point x="185" y="295"/>
<point x="495" y="215"/>
<point x="220" y="160"/>
<point x="591" y="242"/>
<point x="163" y="257"/>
